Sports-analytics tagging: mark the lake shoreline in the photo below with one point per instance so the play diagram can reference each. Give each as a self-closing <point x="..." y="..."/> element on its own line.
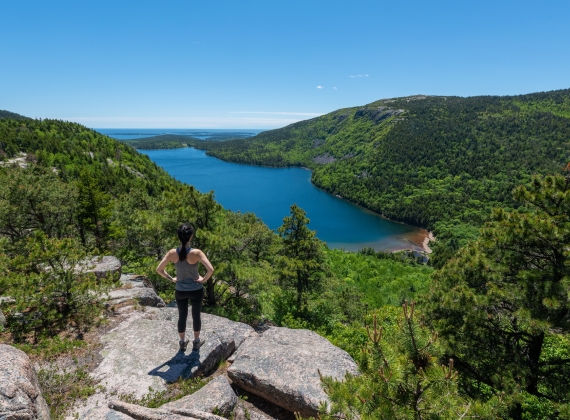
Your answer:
<point x="420" y="240"/>
<point x="408" y="237"/>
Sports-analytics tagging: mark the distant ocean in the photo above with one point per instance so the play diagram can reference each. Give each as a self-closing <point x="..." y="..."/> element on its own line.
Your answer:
<point x="202" y="134"/>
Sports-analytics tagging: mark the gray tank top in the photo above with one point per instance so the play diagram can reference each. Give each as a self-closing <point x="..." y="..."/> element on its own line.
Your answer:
<point x="187" y="274"/>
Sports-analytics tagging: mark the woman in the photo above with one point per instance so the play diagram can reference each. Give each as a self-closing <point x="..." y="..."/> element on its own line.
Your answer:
<point x="189" y="283"/>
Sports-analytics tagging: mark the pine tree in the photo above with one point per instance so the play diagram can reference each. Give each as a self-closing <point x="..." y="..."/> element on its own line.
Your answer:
<point x="301" y="261"/>
<point x="401" y="377"/>
<point x="502" y="303"/>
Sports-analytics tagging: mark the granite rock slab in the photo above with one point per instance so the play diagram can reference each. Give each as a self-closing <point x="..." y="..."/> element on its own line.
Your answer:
<point x="102" y="266"/>
<point x="142" y="352"/>
<point x="282" y="366"/>
<point x="217" y="396"/>
<point x="145" y="296"/>
<point x="20" y="394"/>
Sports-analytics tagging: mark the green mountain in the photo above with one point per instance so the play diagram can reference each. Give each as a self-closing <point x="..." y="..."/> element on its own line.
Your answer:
<point x="431" y="161"/>
<point x="76" y="151"/>
<point x="11" y="115"/>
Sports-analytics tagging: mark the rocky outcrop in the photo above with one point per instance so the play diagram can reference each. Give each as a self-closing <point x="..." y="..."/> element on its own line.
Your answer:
<point x="101" y="266"/>
<point x="318" y="142"/>
<point x="324" y="159"/>
<point x="282" y="366"/>
<point x="377" y="115"/>
<point x="134" y="289"/>
<point x="20" y="394"/>
<point x="217" y="396"/>
<point x="279" y="365"/>
<point x="142" y="351"/>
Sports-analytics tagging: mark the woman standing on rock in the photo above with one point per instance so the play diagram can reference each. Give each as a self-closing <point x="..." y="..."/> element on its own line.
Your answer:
<point x="189" y="283"/>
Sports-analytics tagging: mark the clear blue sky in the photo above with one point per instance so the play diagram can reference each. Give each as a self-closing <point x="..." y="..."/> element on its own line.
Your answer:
<point x="265" y="64"/>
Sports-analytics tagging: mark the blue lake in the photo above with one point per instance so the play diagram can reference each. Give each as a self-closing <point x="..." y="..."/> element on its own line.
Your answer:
<point x="269" y="192"/>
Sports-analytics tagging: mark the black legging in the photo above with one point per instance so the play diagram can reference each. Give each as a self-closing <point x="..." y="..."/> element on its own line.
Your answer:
<point x="195" y="298"/>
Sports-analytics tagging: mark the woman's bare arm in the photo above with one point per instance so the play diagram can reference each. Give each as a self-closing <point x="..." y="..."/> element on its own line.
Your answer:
<point x="161" y="267"/>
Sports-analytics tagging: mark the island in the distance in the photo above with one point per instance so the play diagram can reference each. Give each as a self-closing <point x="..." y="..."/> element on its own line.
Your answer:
<point x="176" y="141"/>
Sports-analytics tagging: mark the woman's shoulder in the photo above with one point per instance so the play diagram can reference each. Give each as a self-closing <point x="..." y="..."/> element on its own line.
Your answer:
<point x="173" y="254"/>
<point x="195" y="251"/>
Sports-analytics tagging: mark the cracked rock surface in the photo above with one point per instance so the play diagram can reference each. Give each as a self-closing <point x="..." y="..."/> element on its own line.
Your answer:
<point x="142" y="352"/>
<point x="217" y="396"/>
<point x="20" y="394"/>
<point x="282" y="366"/>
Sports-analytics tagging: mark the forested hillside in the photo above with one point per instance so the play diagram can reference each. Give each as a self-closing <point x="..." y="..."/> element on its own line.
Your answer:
<point x="12" y="115"/>
<point x="65" y="186"/>
<point x="490" y="337"/>
<point x="431" y="161"/>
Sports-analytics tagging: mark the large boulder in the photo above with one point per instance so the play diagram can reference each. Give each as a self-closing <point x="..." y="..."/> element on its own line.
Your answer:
<point x="282" y="366"/>
<point x="142" y="351"/>
<point x="102" y="266"/>
<point x="20" y="394"/>
<point x="133" y="289"/>
<point x="216" y="396"/>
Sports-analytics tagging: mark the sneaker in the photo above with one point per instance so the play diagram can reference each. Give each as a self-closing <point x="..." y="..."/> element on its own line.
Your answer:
<point x="183" y="344"/>
<point x="196" y="344"/>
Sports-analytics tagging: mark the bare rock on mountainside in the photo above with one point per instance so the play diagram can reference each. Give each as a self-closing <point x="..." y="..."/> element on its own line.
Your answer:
<point x="2" y="320"/>
<point x="142" y="353"/>
<point x="324" y="159"/>
<point x="377" y="115"/>
<point x="217" y="395"/>
<point x="282" y="366"/>
<point x="134" y="288"/>
<point x="20" y="394"/>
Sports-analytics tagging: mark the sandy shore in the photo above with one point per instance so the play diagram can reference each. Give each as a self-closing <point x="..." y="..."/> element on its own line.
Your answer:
<point x="426" y="241"/>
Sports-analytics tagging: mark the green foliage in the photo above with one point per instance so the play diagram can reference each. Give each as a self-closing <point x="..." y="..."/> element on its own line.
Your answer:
<point x="301" y="261"/>
<point x="401" y="377"/>
<point x="51" y="347"/>
<point x="382" y="279"/>
<point x="12" y="115"/>
<point x="422" y="160"/>
<point x="63" y="388"/>
<point x="51" y="288"/>
<point x="174" y="391"/>
<point x="165" y="141"/>
<point x="502" y="303"/>
<point x="34" y="199"/>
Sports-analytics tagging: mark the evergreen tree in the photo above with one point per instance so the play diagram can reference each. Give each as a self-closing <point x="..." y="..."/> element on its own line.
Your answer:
<point x="502" y="303"/>
<point x="401" y="377"/>
<point x="301" y="261"/>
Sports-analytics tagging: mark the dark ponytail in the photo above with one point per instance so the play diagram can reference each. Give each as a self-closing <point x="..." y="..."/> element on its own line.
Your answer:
<point x="185" y="232"/>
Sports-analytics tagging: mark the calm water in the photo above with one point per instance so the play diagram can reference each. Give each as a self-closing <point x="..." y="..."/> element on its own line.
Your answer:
<point x="139" y="133"/>
<point x="269" y="192"/>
